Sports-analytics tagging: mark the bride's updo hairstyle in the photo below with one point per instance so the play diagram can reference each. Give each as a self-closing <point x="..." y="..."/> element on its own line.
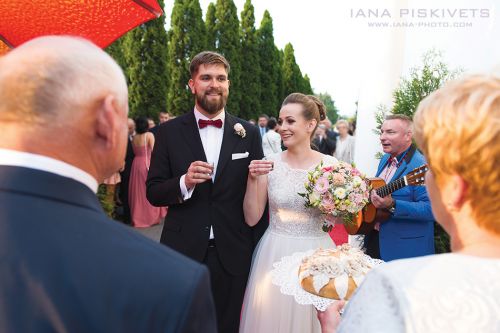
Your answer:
<point x="313" y="107"/>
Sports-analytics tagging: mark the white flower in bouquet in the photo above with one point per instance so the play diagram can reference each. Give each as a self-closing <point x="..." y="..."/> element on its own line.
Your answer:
<point x="314" y="198"/>
<point x="340" y="193"/>
<point x="356" y="181"/>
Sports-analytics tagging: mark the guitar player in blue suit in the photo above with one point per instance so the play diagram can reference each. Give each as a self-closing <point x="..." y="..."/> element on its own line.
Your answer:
<point x="409" y="231"/>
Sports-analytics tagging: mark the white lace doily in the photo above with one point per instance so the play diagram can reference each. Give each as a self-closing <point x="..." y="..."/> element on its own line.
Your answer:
<point x="285" y="275"/>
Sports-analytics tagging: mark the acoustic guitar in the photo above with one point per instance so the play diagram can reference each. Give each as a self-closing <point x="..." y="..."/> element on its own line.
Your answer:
<point x="370" y="215"/>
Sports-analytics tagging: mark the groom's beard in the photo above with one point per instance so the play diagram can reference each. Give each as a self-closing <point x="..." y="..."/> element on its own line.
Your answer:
<point x="212" y="107"/>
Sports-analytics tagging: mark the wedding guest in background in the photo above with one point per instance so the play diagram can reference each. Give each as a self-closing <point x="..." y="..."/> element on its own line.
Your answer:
<point x="345" y="143"/>
<point x="151" y="123"/>
<point x="111" y="184"/>
<point x="142" y="213"/>
<point x="409" y="231"/>
<point x="458" y="291"/>
<point x="262" y="124"/>
<point x="253" y="122"/>
<point x="66" y="267"/>
<point x="352" y="128"/>
<point x="330" y="133"/>
<point x="125" y="173"/>
<point x="321" y="140"/>
<point x="271" y="141"/>
<point x="163" y="117"/>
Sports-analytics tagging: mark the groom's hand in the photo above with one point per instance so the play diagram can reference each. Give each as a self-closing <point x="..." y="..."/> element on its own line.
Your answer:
<point x="197" y="173"/>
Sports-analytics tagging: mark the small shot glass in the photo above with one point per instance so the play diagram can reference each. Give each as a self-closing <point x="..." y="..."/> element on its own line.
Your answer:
<point x="212" y="165"/>
<point x="272" y="162"/>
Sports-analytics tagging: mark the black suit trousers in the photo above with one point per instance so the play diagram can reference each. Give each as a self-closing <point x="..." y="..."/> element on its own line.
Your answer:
<point x="228" y="292"/>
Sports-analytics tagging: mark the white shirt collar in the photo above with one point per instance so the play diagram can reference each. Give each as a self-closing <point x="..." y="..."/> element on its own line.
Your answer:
<point x="39" y="162"/>
<point x="198" y="115"/>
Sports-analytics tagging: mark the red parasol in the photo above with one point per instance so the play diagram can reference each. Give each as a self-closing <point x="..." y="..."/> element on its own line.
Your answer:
<point x="101" y="21"/>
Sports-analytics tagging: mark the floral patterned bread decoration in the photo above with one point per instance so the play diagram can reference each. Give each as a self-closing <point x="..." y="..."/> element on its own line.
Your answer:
<point x="334" y="273"/>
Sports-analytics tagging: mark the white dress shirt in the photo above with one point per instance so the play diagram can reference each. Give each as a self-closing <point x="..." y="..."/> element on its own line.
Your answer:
<point x="211" y="138"/>
<point x="271" y="143"/>
<point x="43" y="163"/>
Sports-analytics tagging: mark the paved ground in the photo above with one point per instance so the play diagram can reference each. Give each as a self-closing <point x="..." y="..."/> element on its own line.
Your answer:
<point x="153" y="232"/>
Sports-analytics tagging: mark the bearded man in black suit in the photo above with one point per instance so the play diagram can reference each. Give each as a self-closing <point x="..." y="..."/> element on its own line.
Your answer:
<point x="199" y="169"/>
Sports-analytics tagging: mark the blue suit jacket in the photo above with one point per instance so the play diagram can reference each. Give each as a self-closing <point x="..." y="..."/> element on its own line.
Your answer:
<point x="410" y="231"/>
<point x="66" y="267"/>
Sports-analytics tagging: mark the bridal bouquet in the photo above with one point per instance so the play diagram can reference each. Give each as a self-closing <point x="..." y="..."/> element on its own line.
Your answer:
<point x="338" y="191"/>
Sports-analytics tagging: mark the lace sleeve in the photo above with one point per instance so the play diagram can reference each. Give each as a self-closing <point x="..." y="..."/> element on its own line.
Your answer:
<point x="374" y="308"/>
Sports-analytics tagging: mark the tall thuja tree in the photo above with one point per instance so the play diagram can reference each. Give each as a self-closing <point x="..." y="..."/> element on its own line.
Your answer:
<point x="292" y="77"/>
<point x="210" y="25"/>
<point x="116" y="51"/>
<point x="306" y="85"/>
<point x="269" y="66"/>
<point x="146" y="56"/>
<point x="280" y="87"/>
<point x="187" y="38"/>
<point x="227" y="32"/>
<point x="250" y="66"/>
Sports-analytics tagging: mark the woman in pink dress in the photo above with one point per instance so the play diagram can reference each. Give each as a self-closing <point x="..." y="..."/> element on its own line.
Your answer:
<point x="142" y="213"/>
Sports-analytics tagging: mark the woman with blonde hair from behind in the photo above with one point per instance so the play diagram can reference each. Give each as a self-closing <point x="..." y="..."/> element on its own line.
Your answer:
<point x="458" y="130"/>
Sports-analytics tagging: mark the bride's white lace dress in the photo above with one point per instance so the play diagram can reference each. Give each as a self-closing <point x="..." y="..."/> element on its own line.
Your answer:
<point x="292" y="228"/>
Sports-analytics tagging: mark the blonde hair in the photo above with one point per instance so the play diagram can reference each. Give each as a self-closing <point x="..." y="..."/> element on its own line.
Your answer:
<point x="313" y="107"/>
<point x="342" y="121"/>
<point x="458" y="129"/>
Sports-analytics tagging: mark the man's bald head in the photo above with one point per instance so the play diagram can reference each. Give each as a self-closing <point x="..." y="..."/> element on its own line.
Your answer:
<point x="49" y="79"/>
<point x="65" y="98"/>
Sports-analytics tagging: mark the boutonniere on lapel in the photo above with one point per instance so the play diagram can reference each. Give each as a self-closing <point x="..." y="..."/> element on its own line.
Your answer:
<point x="239" y="130"/>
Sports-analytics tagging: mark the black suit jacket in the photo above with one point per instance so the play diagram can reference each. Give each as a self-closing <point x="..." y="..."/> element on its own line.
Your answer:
<point x="125" y="179"/>
<point x="66" y="267"/>
<point x="218" y="204"/>
<point x="129" y="158"/>
<point x="326" y="146"/>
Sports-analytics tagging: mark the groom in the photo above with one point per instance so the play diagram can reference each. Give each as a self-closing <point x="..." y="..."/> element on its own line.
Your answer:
<point x="199" y="169"/>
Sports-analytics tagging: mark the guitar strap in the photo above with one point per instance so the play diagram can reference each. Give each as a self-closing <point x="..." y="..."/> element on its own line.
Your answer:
<point x="410" y="153"/>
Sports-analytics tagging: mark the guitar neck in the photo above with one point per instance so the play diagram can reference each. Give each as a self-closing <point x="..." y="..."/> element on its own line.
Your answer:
<point x="392" y="187"/>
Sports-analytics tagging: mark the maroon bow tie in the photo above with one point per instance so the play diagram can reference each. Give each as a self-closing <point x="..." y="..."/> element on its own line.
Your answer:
<point x="204" y="123"/>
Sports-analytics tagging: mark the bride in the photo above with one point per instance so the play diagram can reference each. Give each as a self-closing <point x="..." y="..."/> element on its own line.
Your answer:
<point x="292" y="226"/>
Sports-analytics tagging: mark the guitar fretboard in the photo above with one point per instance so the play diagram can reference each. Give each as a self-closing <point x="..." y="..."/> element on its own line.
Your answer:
<point x="391" y="187"/>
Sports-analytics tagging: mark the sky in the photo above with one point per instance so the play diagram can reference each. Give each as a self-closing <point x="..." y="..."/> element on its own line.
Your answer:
<point x="344" y="47"/>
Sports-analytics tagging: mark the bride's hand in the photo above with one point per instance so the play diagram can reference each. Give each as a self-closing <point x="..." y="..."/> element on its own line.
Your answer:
<point x="260" y="167"/>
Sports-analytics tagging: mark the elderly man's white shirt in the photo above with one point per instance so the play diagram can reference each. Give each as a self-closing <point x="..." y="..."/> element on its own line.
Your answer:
<point x="16" y="158"/>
